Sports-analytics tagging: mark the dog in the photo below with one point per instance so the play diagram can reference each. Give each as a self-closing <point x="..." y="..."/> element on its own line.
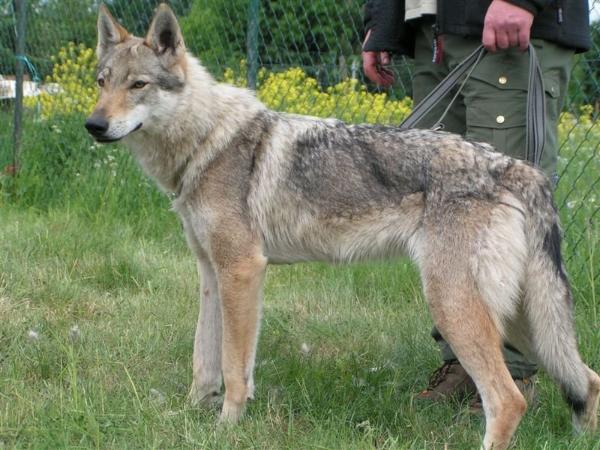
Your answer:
<point x="253" y="186"/>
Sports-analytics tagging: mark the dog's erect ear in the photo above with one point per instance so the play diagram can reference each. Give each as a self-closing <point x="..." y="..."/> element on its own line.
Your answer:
<point x="164" y="35"/>
<point x="110" y="32"/>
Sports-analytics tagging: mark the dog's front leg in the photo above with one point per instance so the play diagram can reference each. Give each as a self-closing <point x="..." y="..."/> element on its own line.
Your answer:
<point x="240" y="276"/>
<point x="206" y="384"/>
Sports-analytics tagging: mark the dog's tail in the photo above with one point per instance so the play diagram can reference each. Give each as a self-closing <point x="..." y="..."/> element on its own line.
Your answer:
<point x="548" y="299"/>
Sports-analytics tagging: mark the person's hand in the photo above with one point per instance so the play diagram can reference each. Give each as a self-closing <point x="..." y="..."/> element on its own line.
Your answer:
<point x="374" y="66"/>
<point x="506" y="25"/>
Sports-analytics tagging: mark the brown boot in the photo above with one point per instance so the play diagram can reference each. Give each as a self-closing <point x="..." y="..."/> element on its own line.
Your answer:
<point x="450" y="380"/>
<point x="525" y="385"/>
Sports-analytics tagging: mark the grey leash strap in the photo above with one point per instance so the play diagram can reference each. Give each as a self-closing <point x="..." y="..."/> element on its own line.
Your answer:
<point x="536" y="102"/>
<point x="536" y="110"/>
<point x="441" y="90"/>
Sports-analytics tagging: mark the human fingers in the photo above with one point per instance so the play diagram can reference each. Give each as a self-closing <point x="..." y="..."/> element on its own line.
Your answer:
<point x="488" y="38"/>
<point x="387" y="77"/>
<point x="502" y="39"/>
<point x="513" y="37"/>
<point x="524" y="34"/>
<point x="370" y="63"/>
<point x="374" y="70"/>
<point x="384" y="58"/>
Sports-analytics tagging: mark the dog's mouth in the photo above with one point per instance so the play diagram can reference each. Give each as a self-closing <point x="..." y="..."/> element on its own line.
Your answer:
<point x="107" y="140"/>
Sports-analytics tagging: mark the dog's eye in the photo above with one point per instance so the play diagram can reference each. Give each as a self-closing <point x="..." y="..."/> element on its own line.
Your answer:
<point x="139" y="84"/>
<point x="101" y="82"/>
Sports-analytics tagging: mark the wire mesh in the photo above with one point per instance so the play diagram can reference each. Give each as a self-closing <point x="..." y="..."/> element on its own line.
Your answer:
<point x="323" y="39"/>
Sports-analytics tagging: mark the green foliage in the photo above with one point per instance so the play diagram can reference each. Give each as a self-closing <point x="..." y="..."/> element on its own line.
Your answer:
<point x="578" y="191"/>
<point x="310" y="33"/>
<point x="53" y="23"/>
<point x="7" y="37"/>
<point x="50" y="25"/>
<point x="216" y="30"/>
<point x="319" y="37"/>
<point x="585" y="78"/>
<point x="136" y="15"/>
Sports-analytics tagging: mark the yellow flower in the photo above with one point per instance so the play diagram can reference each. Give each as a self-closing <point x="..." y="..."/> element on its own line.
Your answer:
<point x="74" y="73"/>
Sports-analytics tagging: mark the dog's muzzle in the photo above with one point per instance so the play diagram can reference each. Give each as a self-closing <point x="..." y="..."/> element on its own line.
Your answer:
<point x="97" y="126"/>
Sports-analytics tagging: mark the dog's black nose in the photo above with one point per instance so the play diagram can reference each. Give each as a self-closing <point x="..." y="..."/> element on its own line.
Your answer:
<point x="96" y="125"/>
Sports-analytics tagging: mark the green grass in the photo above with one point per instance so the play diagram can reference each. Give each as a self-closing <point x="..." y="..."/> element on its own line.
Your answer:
<point x="134" y="302"/>
<point x="86" y="241"/>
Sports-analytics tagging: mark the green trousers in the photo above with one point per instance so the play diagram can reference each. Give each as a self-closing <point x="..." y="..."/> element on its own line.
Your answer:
<point x="491" y="108"/>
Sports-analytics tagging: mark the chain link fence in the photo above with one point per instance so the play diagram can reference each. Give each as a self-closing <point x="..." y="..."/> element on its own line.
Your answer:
<point x="246" y="40"/>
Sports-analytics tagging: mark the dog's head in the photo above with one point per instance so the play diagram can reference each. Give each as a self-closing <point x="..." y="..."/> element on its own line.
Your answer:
<point x="139" y="78"/>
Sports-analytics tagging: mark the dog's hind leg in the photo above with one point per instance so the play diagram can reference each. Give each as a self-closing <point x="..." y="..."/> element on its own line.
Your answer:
<point x="461" y="317"/>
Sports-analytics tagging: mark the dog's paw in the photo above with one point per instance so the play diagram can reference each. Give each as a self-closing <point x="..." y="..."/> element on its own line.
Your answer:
<point x="204" y="397"/>
<point x="231" y="413"/>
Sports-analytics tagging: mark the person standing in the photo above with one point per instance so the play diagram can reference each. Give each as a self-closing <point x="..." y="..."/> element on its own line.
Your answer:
<point x="491" y="107"/>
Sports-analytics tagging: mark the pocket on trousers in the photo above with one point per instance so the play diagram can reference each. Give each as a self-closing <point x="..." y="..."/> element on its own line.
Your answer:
<point x="497" y="115"/>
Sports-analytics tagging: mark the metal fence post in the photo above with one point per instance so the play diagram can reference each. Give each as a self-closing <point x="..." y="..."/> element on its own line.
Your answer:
<point x="252" y="43"/>
<point x="20" y="12"/>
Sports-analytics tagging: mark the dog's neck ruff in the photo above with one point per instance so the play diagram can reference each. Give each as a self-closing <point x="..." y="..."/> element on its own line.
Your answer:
<point x="178" y="178"/>
<point x="193" y="135"/>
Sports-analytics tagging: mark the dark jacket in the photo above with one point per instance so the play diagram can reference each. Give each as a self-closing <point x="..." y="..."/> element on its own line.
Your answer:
<point x="565" y="22"/>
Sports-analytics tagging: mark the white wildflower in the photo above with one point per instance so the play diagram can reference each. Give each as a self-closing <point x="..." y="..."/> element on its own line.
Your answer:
<point x="359" y="381"/>
<point x="364" y="425"/>
<point x="33" y="335"/>
<point x="304" y="349"/>
<point x="74" y="333"/>
<point x="157" y="396"/>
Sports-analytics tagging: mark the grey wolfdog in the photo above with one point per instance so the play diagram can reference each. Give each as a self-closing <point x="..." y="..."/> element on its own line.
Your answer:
<point x="254" y="186"/>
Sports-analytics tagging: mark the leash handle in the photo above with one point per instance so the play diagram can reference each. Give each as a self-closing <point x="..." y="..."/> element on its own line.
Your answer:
<point x="536" y="111"/>
<point x="536" y="101"/>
